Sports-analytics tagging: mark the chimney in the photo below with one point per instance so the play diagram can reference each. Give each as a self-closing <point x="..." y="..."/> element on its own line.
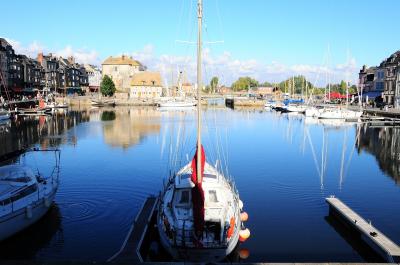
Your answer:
<point x="71" y="59"/>
<point x="40" y="57"/>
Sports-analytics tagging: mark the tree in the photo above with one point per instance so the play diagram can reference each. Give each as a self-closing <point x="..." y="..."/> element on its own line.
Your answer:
<point x="214" y="84"/>
<point x="243" y="83"/>
<point x="343" y="87"/>
<point x="107" y="86"/>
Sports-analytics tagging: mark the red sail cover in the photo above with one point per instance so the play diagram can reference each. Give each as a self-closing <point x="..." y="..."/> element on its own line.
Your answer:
<point x="198" y="194"/>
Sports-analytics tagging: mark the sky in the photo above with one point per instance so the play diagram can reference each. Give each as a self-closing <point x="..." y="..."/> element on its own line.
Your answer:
<point x="325" y="40"/>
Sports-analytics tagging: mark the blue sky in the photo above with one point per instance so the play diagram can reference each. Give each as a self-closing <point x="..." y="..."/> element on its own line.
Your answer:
<point x="265" y="39"/>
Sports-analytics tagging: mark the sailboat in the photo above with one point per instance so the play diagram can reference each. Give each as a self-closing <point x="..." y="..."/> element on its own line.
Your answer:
<point x="199" y="216"/>
<point x="177" y="102"/>
<point x="25" y="196"/>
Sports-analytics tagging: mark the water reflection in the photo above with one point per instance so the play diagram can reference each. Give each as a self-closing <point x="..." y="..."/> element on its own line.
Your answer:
<point x="29" y="243"/>
<point x="26" y="131"/>
<point x="384" y="144"/>
<point x="284" y="166"/>
<point x="128" y="127"/>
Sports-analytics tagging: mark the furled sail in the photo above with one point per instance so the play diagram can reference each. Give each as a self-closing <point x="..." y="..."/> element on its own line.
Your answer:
<point x="198" y="194"/>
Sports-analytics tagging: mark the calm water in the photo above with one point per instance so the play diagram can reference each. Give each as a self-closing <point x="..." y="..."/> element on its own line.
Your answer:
<point x="284" y="166"/>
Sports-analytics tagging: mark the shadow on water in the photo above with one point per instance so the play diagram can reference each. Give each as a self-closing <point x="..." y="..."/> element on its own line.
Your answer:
<point x="26" y="244"/>
<point x="353" y="238"/>
<point x="384" y="144"/>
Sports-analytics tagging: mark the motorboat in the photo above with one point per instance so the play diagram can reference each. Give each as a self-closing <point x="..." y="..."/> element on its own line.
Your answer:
<point x="299" y="108"/>
<point x="24" y="198"/>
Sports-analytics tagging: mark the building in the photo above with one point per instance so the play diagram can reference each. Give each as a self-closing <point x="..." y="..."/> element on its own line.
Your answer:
<point x="383" y="80"/>
<point x="94" y="76"/>
<point x="121" y="70"/>
<point x="4" y="47"/>
<point x="32" y="73"/>
<point x="366" y="78"/>
<point x="50" y="66"/>
<point x="146" y="85"/>
<point x="391" y="67"/>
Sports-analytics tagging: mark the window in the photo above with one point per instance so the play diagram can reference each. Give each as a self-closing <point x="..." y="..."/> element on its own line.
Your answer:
<point x="184" y="196"/>
<point x="212" y="196"/>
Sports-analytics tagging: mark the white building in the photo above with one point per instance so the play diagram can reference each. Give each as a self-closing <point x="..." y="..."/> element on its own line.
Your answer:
<point x="121" y="70"/>
<point x="94" y="74"/>
<point x="146" y="85"/>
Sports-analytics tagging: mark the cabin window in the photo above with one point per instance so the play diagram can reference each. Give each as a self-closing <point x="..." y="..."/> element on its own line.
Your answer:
<point x="184" y="196"/>
<point x="212" y="196"/>
<point x="24" y="192"/>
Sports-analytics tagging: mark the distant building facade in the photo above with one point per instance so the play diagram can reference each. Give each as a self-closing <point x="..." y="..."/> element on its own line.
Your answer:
<point x="146" y="85"/>
<point x="121" y="70"/>
<point x="94" y="76"/>
<point x="383" y="80"/>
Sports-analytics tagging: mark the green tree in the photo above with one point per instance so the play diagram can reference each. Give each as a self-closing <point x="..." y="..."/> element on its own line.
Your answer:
<point x="343" y="87"/>
<point x="107" y="86"/>
<point x="243" y="83"/>
<point x="214" y="84"/>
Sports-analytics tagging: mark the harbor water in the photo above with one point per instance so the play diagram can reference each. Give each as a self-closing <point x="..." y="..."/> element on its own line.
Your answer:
<point x="284" y="166"/>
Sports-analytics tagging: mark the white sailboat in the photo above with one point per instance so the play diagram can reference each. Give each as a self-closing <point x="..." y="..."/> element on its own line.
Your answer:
<point x="24" y="197"/>
<point x="177" y="102"/>
<point x="199" y="216"/>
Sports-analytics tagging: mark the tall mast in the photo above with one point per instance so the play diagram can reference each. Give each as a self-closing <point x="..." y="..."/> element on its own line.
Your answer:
<point x="199" y="86"/>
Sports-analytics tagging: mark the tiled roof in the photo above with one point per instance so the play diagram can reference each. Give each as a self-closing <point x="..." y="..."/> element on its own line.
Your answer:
<point x="146" y="79"/>
<point x="121" y="60"/>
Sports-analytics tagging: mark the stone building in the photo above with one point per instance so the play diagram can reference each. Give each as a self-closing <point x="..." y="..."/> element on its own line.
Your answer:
<point x="121" y="69"/>
<point x="391" y="67"/>
<point x="146" y="85"/>
<point x="383" y="80"/>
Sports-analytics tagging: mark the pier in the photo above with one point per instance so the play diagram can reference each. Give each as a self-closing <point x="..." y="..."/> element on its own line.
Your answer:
<point x="386" y="248"/>
<point x="130" y="249"/>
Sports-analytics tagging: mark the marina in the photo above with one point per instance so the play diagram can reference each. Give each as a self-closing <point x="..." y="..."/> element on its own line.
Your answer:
<point x="122" y="190"/>
<point x="199" y="132"/>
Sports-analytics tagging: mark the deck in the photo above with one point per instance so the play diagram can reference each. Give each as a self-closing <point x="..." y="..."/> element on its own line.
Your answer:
<point x="389" y="250"/>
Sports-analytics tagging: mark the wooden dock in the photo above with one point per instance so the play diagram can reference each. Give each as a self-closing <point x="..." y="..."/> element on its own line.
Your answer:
<point x="130" y="249"/>
<point x="372" y="236"/>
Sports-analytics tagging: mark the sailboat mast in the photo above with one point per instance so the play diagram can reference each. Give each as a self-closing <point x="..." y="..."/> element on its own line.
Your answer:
<point x="199" y="86"/>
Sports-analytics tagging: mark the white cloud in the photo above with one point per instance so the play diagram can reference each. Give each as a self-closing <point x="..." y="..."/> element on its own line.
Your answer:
<point x="224" y="65"/>
<point x="31" y="50"/>
<point x="228" y="68"/>
<point x="81" y="55"/>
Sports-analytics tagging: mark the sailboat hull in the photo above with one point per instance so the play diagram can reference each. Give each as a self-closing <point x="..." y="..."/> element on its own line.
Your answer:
<point x="17" y="221"/>
<point x="196" y="254"/>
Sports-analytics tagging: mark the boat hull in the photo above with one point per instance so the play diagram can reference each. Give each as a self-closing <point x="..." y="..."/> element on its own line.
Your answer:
<point x="4" y="117"/>
<point x="17" y="221"/>
<point x="176" y="104"/>
<point x="197" y="254"/>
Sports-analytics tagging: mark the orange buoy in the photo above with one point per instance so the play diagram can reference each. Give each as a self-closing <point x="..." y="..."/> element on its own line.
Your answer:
<point x="244" y="235"/>
<point x="244" y="217"/>
<point x="244" y="253"/>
